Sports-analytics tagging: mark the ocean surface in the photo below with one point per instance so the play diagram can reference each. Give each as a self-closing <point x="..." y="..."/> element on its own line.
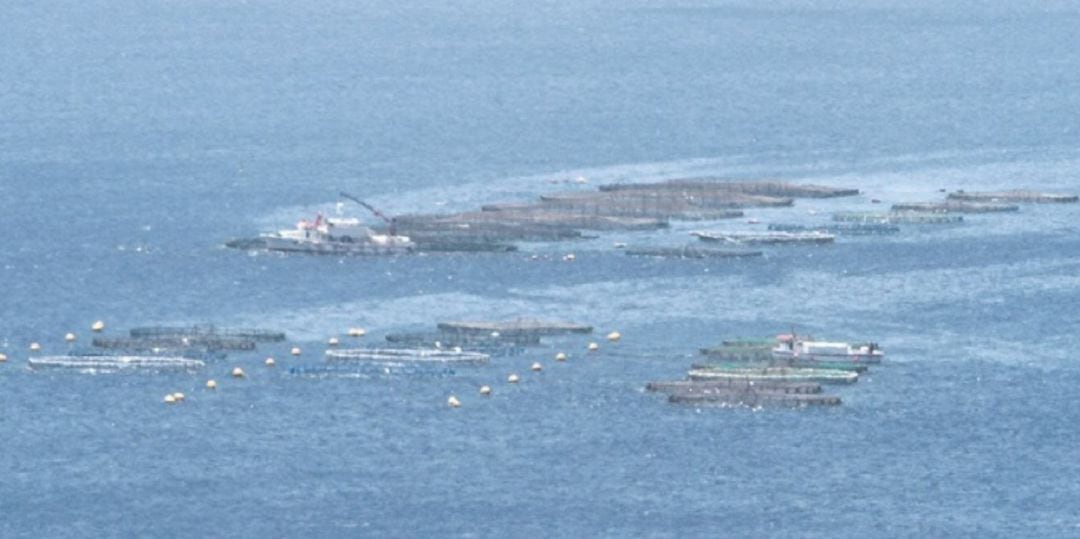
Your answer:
<point x="136" y="138"/>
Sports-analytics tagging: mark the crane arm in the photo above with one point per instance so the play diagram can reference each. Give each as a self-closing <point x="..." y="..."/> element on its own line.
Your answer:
<point x="388" y="220"/>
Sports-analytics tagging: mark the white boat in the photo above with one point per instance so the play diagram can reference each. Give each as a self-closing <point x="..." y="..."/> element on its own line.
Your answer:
<point x="804" y="350"/>
<point x="329" y="236"/>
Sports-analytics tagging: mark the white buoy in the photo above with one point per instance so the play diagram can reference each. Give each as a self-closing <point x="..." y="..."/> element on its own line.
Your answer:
<point x="593" y="347"/>
<point x="269" y="362"/>
<point x="211" y="384"/>
<point x="357" y="332"/>
<point x="513" y="378"/>
<point x="170" y="399"/>
<point x="560" y="357"/>
<point x="333" y="341"/>
<point x="614" y="336"/>
<point x="178" y="396"/>
<point x="485" y="390"/>
<point x="570" y="257"/>
<point x="98" y="326"/>
<point x="70" y="337"/>
<point x="3" y="358"/>
<point x="453" y="402"/>
<point x="620" y="245"/>
<point x="238" y="372"/>
<point x="35" y="347"/>
<point x="295" y="351"/>
<point x="537" y="367"/>
<point x="495" y="334"/>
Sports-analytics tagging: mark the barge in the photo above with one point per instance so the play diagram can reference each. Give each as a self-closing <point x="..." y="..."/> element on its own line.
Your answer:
<point x="765" y="238"/>
<point x="1016" y="196"/>
<point x="691" y="252"/>
<point x="778" y="374"/>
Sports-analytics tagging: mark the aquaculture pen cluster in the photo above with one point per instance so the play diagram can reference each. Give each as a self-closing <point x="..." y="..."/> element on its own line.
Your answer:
<point x="620" y="207"/>
<point x="787" y="370"/>
<point x="630" y="208"/>
<point x="161" y="348"/>
<point x="453" y="347"/>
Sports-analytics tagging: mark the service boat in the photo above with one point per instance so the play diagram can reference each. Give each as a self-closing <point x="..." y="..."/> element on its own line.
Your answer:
<point x="808" y="351"/>
<point x="328" y="236"/>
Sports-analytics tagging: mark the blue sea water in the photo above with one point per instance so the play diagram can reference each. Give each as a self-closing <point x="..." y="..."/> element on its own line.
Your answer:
<point x="137" y="137"/>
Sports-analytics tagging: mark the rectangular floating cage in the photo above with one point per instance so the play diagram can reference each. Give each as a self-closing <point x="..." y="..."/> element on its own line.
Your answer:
<point x="207" y="330"/>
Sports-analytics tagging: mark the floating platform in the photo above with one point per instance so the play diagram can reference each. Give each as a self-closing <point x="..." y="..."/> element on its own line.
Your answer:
<point x="115" y="363"/>
<point x="754" y="399"/>
<point x="187" y="353"/>
<point x="780" y="362"/>
<point x="739" y="353"/>
<point x="1016" y="196"/>
<point x="955" y="206"/>
<point x="514" y="327"/>
<point x="779" y="374"/>
<point x="207" y="330"/>
<point x="537" y="219"/>
<point x="666" y="198"/>
<point x="208" y="343"/>
<point x="345" y="370"/>
<point x="435" y="229"/>
<point x="766" y="238"/>
<point x="763" y="188"/>
<point x="840" y="229"/>
<point x="541" y="213"/>
<point x="408" y="355"/>
<point x="464" y="340"/>
<point x="461" y="245"/>
<point x="687" y="385"/>
<point x="691" y="252"/>
<point x="898" y="218"/>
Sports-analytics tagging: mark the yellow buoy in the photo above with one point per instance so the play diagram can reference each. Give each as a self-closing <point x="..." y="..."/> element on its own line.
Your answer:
<point x="211" y="384"/>
<point x="513" y="378"/>
<point x="295" y="351"/>
<point x="35" y="347"/>
<point x="98" y="326"/>
<point x="614" y="336"/>
<point x="333" y="341"/>
<point x="178" y="396"/>
<point x="269" y="362"/>
<point x="560" y="357"/>
<point x="485" y="390"/>
<point x="357" y="332"/>
<point x="453" y="402"/>
<point x="593" y="347"/>
<point x="537" y="367"/>
<point x="70" y="337"/>
<point x="170" y="399"/>
<point x="238" y="372"/>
